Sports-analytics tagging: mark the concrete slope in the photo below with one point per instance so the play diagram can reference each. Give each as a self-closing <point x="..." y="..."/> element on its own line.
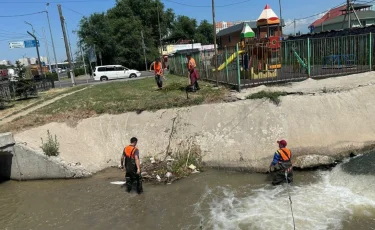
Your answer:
<point x="20" y="162"/>
<point x="320" y="128"/>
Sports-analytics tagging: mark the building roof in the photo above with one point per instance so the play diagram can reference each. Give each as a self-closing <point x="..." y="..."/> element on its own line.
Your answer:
<point x="236" y="28"/>
<point x="362" y="15"/>
<point x="239" y="27"/>
<point x="336" y="33"/>
<point x="336" y="12"/>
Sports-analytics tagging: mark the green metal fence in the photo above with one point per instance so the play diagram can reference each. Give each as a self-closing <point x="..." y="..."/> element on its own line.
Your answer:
<point x="290" y="60"/>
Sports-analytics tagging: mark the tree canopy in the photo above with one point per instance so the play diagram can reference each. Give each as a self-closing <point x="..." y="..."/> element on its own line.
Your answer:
<point x="116" y="34"/>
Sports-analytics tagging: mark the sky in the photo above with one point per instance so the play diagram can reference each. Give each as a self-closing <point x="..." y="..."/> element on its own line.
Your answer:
<point x="15" y="28"/>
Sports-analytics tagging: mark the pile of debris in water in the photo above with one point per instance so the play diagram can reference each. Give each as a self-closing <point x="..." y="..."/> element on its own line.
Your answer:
<point x="169" y="169"/>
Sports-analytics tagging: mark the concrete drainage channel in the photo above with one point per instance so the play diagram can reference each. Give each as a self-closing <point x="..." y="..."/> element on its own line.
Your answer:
<point x="19" y="162"/>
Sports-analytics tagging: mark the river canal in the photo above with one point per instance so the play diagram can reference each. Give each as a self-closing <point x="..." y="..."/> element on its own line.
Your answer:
<point x="342" y="198"/>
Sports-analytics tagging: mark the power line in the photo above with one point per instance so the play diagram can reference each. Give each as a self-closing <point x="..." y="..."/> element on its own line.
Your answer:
<point x="184" y="4"/>
<point x="20" y="15"/>
<point x="314" y="15"/>
<point x="73" y="11"/>
<point x="61" y="1"/>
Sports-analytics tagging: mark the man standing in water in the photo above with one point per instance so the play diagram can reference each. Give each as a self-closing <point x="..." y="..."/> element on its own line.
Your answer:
<point x="282" y="164"/>
<point x="193" y="73"/>
<point x="158" y="72"/>
<point x="130" y="157"/>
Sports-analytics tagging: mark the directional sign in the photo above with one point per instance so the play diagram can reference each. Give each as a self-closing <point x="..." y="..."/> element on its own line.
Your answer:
<point x="31" y="43"/>
<point x="15" y="45"/>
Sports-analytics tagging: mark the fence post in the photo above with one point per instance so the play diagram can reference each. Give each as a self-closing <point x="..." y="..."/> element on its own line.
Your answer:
<point x="182" y="65"/>
<point x="226" y="66"/>
<point x="238" y="69"/>
<point x="370" y="59"/>
<point x="308" y="57"/>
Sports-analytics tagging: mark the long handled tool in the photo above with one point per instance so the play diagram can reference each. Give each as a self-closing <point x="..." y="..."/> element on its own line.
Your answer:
<point x="290" y="198"/>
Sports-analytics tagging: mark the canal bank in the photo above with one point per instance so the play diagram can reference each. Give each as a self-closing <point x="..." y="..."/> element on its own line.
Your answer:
<point x="323" y="121"/>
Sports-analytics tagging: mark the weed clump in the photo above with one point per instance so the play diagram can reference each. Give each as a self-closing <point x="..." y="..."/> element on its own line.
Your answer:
<point x="51" y="146"/>
<point x="272" y="96"/>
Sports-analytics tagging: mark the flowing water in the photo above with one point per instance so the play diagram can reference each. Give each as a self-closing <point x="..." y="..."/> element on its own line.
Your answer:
<point x="343" y="198"/>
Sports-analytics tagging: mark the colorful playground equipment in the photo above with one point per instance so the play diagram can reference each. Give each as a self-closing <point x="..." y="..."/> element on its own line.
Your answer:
<point x="300" y="61"/>
<point x="260" y="52"/>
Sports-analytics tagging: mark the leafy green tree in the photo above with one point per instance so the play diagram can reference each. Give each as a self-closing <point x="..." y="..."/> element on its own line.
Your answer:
<point x="204" y="33"/>
<point x="116" y="34"/>
<point x="183" y="28"/>
<point x="20" y="70"/>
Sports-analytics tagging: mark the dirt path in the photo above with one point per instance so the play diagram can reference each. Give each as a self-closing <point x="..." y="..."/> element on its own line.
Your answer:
<point x="33" y="108"/>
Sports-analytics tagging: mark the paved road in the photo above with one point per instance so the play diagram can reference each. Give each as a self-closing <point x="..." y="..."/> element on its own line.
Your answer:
<point x="85" y="81"/>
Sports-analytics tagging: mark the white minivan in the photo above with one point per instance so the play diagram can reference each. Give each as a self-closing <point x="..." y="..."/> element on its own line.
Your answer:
<point x="111" y="72"/>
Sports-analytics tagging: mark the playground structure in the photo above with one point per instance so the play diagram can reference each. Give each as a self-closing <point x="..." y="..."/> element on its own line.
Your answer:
<point x="259" y="52"/>
<point x="262" y="57"/>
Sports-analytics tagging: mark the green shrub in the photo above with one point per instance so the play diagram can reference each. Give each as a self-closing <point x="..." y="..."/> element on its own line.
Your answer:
<point x="51" y="147"/>
<point x="79" y="71"/>
<point x="52" y="76"/>
<point x="24" y="88"/>
<point x="272" y="96"/>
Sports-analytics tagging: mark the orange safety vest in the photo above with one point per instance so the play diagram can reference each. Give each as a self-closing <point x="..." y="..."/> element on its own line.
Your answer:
<point x="192" y="64"/>
<point x="285" y="154"/>
<point x="129" y="151"/>
<point x="157" y="68"/>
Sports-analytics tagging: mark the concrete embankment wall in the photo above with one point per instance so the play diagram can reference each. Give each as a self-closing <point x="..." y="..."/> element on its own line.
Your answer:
<point x="320" y="128"/>
<point x="19" y="162"/>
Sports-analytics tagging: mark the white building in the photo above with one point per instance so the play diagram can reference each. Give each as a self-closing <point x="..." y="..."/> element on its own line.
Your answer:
<point x="223" y="25"/>
<point x="44" y="59"/>
<point x="24" y="61"/>
<point x="33" y="60"/>
<point x="5" y="62"/>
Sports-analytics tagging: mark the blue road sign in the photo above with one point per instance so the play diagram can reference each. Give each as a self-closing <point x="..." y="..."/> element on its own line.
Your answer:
<point x="31" y="43"/>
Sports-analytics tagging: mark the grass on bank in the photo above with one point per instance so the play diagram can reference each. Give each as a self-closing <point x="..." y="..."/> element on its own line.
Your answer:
<point x="272" y="96"/>
<point x="118" y="97"/>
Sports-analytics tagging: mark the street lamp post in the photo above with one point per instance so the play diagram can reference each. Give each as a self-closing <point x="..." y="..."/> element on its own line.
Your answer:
<point x="215" y="46"/>
<point x="53" y="46"/>
<point x="37" y="49"/>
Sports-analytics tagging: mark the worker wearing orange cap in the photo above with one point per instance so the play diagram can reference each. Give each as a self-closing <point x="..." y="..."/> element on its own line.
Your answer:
<point x="282" y="164"/>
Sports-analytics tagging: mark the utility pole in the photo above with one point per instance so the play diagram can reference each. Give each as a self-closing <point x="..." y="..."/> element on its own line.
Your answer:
<point x="83" y="59"/>
<point x="53" y="46"/>
<point x="215" y="48"/>
<point x="70" y="46"/>
<point x="144" y="49"/>
<point x="47" y="51"/>
<point x="348" y="12"/>
<point x="37" y="51"/>
<point x="281" y="20"/>
<point x="66" y="45"/>
<point x="161" y="45"/>
<point x="294" y="27"/>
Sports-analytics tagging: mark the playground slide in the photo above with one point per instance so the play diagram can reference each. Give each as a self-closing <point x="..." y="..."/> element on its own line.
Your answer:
<point x="229" y="60"/>
<point x="299" y="59"/>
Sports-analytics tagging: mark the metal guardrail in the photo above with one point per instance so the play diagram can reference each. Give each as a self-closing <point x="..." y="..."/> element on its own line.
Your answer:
<point x="12" y="90"/>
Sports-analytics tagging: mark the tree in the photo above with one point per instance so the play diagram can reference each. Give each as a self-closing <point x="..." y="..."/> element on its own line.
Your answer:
<point x="204" y="33"/>
<point x="20" y="70"/>
<point x="116" y="34"/>
<point x="183" y="28"/>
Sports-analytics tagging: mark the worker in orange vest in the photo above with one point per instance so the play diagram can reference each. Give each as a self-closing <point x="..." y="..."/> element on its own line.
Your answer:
<point x="130" y="159"/>
<point x="282" y="164"/>
<point x="158" y="70"/>
<point x="193" y="73"/>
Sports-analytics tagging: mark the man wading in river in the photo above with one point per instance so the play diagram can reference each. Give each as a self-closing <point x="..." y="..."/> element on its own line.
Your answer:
<point x="282" y="164"/>
<point x="130" y="156"/>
